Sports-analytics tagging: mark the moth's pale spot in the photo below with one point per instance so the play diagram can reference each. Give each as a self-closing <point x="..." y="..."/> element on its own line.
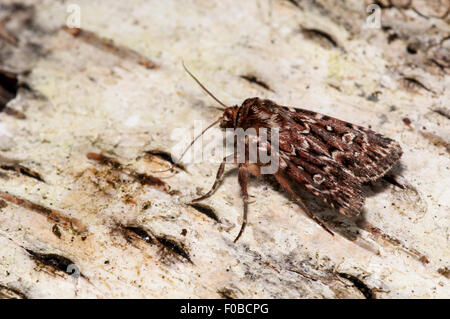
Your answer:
<point x="292" y="109"/>
<point x="263" y="116"/>
<point x="292" y="149"/>
<point x="283" y="164"/>
<point x="305" y="144"/>
<point x="306" y="130"/>
<point x="329" y="128"/>
<point x="300" y="168"/>
<point x="318" y="116"/>
<point x="365" y="138"/>
<point x="348" y="138"/>
<point x="318" y="179"/>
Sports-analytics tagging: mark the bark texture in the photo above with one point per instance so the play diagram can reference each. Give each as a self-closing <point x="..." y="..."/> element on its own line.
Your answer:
<point x="87" y="114"/>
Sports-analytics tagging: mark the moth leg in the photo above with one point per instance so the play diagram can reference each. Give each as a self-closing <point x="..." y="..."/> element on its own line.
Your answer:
<point x="243" y="178"/>
<point x="285" y="184"/>
<point x="219" y="178"/>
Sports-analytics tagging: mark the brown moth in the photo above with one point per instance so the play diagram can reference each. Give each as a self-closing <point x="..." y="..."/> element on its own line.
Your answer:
<point x="328" y="157"/>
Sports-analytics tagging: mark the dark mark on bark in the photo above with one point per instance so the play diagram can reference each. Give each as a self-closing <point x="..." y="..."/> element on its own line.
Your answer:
<point x="379" y="234"/>
<point x="443" y="112"/>
<point x="145" y="179"/>
<point x="322" y="37"/>
<point x="174" y="247"/>
<point x="361" y="286"/>
<point x="6" y="35"/>
<point x="392" y="37"/>
<point x="11" y="293"/>
<point x="56" y="231"/>
<point x="295" y="3"/>
<point x="14" y="6"/>
<point x="22" y="170"/>
<point x="303" y="274"/>
<point x="226" y="293"/>
<point x="146" y="205"/>
<point x="9" y="86"/>
<point x="109" y="46"/>
<point x="383" y="4"/>
<point x="205" y="210"/>
<point x="165" y="156"/>
<point x="14" y="113"/>
<point x="413" y="82"/>
<point x="407" y="122"/>
<point x="436" y="140"/>
<point x="334" y="86"/>
<point x="412" y="47"/>
<point x="142" y="178"/>
<point x="169" y="247"/>
<point x="54" y="262"/>
<point x="51" y="214"/>
<point x="374" y="96"/>
<point x="3" y="204"/>
<point x="420" y="13"/>
<point x="140" y="233"/>
<point x="253" y="79"/>
<point x="441" y="66"/>
<point x="390" y="4"/>
<point x="444" y="272"/>
<point x="105" y="160"/>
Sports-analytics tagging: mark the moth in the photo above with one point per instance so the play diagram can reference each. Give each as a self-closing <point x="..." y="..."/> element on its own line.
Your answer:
<point x="326" y="156"/>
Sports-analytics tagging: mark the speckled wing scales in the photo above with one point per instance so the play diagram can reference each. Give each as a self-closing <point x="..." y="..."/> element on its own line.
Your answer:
<point x="332" y="158"/>
<point x="328" y="182"/>
<point x="362" y="153"/>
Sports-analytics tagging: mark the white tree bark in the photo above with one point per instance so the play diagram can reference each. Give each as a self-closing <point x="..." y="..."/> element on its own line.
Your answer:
<point x="117" y="88"/>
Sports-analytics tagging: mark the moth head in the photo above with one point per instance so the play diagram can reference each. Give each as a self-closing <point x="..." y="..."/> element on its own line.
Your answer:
<point x="228" y="119"/>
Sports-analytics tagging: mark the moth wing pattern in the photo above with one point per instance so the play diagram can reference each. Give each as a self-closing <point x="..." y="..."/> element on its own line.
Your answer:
<point x="329" y="157"/>
<point x="363" y="153"/>
<point x="329" y="183"/>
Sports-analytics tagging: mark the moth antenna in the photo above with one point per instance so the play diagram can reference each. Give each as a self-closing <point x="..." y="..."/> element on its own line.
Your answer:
<point x="202" y="86"/>
<point x="187" y="148"/>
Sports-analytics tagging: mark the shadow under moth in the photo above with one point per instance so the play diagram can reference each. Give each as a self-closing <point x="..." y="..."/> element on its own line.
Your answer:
<point x="326" y="156"/>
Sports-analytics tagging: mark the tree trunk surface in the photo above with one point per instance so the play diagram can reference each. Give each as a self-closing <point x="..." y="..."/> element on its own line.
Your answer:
<point x="89" y="114"/>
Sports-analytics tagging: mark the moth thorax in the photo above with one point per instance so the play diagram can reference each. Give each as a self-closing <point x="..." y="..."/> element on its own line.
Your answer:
<point x="229" y="117"/>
